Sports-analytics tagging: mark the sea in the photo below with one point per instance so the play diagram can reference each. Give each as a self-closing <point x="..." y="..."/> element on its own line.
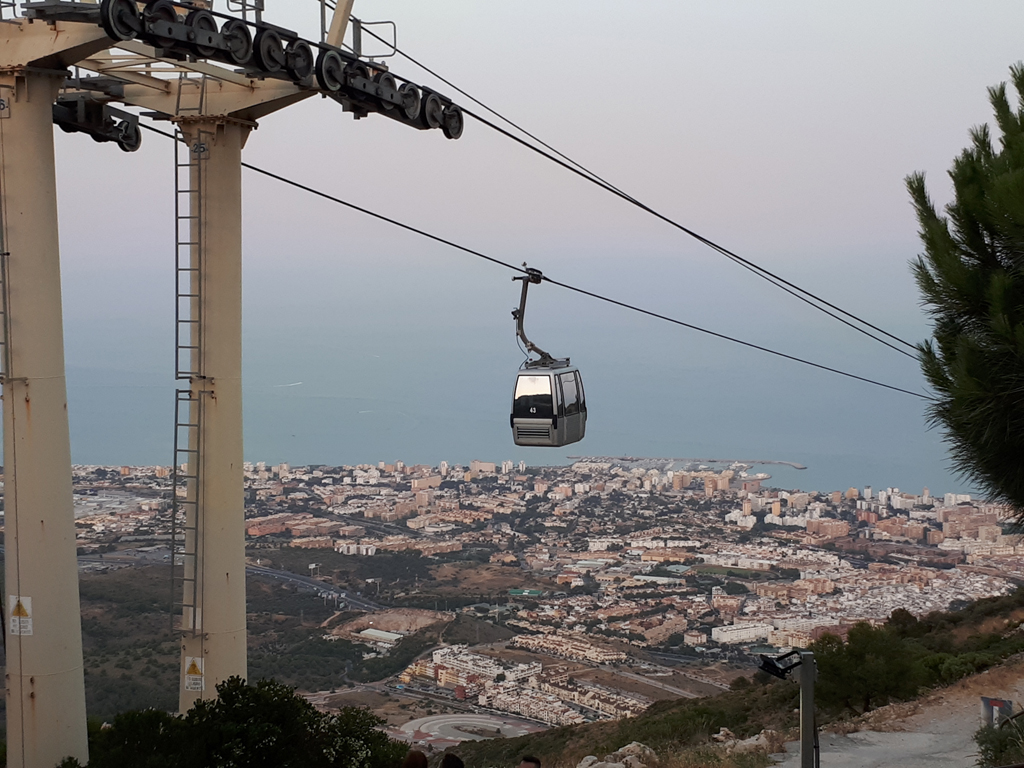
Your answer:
<point x="359" y="367"/>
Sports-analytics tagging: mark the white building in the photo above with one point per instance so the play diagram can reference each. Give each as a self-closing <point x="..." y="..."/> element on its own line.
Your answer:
<point x="457" y="657"/>
<point x="740" y="633"/>
<point x="354" y="548"/>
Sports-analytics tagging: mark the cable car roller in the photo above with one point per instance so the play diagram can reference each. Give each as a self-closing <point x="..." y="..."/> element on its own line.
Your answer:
<point x="548" y="404"/>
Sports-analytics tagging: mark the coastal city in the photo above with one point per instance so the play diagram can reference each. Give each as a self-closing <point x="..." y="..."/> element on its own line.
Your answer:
<point x="629" y="580"/>
<point x="342" y="412"/>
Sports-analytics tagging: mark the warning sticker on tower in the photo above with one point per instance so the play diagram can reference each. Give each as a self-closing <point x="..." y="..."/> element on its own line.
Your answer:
<point x="19" y="611"/>
<point x="194" y="673"/>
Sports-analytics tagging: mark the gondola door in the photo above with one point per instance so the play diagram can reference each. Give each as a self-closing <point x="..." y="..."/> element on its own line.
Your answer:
<point x="571" y="407"/>
<point x="559" y="427"/>
<point x="583" y="405"/>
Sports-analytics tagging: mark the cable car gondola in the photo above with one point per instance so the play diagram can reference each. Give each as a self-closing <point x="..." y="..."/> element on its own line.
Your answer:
<point x="548" y="404"/>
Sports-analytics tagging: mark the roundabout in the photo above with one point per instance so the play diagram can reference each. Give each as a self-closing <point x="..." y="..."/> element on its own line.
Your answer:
<point x="440" y="731"/>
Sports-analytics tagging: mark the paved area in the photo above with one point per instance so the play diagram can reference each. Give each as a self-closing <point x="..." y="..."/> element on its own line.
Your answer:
<point x="873" y="749"/>
<point x="934" y="732"/>
<point x="448" y="730"/>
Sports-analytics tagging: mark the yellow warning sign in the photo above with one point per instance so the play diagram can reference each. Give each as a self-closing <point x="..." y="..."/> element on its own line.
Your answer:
<point x="19" y="612"/>
<point x="194" y="673"/>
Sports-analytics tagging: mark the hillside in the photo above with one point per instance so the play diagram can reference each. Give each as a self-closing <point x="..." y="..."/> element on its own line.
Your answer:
<point x="131" y="658"/>
<point x="132" y="664"/>
<point x="667" y="726"/>
<point x="920" y="663"/>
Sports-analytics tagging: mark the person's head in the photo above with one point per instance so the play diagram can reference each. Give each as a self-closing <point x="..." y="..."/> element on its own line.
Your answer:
<point x="529" y="761"/>
<point x="452" y="761"/>
<point x="415" y="759"/>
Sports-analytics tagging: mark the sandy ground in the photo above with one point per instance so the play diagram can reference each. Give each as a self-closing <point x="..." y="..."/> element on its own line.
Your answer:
<point x="935" y="731"/>
<point x="723" y="672"/>
<point x="401" y="620"/>
<point x="484" y="579"/>
<point x="519" y="656"/>
<point x="393" y="707"/>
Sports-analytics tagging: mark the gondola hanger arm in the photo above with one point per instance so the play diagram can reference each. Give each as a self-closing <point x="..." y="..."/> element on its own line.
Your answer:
<point x="532" y="276"/>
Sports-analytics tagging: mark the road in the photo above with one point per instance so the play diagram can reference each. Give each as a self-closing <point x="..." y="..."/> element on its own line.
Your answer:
<point x="652" y="683"/>
<point x="157" y="558"/>
<point x="674" y="658"/>
<point x="359" y="603"/>
<point x="379" y="527"/>
<point x="427" y="695"/>
<point x="684" y="672"/>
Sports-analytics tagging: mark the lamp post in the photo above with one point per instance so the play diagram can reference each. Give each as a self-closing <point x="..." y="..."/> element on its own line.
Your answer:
<point x="807" y="671"/>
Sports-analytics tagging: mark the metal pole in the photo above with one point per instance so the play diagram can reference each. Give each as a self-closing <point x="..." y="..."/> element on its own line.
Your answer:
<point x="808" y="672"/>
<point x="214" y="636"/>
<point x="45" y="682"/>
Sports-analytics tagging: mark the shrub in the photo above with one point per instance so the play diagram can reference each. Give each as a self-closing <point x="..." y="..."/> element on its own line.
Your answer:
<point x="266" y="725"/>
<point x="1000" y="746"/>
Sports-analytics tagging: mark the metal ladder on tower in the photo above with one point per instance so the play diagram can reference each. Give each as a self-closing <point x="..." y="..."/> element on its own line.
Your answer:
<point x="186" y="511"/>
<point x="184" y="514"/>
<point x="191" y="99"/>
<point x="5" y="362"/>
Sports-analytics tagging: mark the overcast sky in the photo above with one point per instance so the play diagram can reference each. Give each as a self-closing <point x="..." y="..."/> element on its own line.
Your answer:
<point x="783" y="130"/>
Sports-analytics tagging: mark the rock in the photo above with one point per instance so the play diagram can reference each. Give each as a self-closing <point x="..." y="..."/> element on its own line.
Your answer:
<point x="636" y="749"/>
<point x="750" y="745"/>
<point x="774" y="739"/>
<point x="724" y="735"/>
<point x="767" y="740"/>
<point x="633" y="755"/>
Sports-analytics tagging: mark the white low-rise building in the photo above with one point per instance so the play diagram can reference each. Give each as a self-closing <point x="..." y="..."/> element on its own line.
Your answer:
<point x="740" y="633"/>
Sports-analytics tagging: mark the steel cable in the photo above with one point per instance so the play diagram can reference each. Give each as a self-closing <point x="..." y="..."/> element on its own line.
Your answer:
<point x="567" y="286"/>
<point x="569" y="164"/>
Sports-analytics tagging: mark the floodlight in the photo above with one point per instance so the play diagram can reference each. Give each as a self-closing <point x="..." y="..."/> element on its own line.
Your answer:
<point x="775" y="668"/>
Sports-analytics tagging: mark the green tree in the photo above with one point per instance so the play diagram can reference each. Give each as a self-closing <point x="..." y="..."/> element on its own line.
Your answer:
<point x="971" y="277"/>
<point x="904" y="624"/>
<point x="870" y="669"/>
<point x="147" y="739"/>
<point x="266" y="725"/>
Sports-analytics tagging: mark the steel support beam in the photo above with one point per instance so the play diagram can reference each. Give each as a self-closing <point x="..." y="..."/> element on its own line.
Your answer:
<point x="339" y="23"/>
<point x="45" y="683"/>
<point x="808" y="673"/>
<point x="214" y="638"/>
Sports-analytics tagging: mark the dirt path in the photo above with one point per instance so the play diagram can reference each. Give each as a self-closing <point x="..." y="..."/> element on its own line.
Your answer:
<point x="944" y="743"/>
<point x="935" y="731"/>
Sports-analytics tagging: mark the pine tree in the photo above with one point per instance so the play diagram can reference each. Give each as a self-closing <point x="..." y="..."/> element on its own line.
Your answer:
<point x="971" y="276"/>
